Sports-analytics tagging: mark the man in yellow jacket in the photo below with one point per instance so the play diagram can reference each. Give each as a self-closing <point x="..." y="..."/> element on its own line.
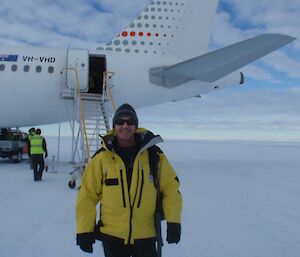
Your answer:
<point x="119" y="177"/>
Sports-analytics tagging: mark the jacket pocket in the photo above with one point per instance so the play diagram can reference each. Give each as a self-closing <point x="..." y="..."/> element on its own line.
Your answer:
<point x="111" y="182"/>
<point x="141" y="190"/>
<point x="123" y="190"/>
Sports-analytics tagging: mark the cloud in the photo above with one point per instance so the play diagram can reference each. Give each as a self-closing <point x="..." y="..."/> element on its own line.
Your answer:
<point x="276" y="16"/>
<point x="283" y="63"/>
<point x="225" y="33"/>
<point x="64" y="23"/>
<point x="265" y="109"/>
<point x="244" y="19"/>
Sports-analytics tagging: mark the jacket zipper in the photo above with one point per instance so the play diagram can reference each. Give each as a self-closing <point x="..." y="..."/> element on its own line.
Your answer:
<point x="123" y="191"/>
<point x="131" y="209"/>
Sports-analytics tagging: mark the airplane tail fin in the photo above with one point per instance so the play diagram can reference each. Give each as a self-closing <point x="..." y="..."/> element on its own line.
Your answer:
<point x="180" y="27"/>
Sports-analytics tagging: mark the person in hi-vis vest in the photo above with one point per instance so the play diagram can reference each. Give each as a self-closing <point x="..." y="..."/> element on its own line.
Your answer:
<point x="37" y="149"/>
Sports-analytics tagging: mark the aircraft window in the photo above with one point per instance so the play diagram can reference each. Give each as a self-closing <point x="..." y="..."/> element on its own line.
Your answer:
<point x="2" y="67"/>
<point x="38" y="68"/>
<point x="26" y="68"/>
<point x="14" y="67"/>
<point x="50" y="69"/>
<point x="83" y="65"/>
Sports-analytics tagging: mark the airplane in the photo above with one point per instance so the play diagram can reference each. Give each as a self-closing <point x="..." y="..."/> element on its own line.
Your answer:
<point x="161" y="56"/>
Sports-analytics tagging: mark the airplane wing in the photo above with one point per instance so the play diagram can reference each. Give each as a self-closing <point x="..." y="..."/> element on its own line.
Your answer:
<point x="217" y="64"/>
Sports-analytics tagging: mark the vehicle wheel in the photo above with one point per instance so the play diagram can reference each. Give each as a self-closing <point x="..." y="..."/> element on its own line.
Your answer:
<point x="72" y="184"/>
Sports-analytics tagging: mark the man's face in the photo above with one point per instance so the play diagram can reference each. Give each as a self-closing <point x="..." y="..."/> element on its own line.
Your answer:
<point x="125" y="128"/>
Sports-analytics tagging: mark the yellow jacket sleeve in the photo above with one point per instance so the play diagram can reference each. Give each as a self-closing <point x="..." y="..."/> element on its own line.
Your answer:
<point x="89" y="196"/>
<point x="169" y="187"/>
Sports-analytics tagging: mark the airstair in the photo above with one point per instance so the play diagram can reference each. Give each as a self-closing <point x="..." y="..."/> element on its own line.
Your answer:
<point x="89" y="121"/>
<point x="96" y="121"/>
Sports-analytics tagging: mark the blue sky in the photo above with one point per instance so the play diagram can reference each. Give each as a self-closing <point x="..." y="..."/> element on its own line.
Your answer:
<point x="265" y="107"/>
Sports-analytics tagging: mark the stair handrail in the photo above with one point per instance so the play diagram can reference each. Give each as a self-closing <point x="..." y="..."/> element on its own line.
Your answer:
<point x="107" y="75"/>
<point x="81" y="110"/>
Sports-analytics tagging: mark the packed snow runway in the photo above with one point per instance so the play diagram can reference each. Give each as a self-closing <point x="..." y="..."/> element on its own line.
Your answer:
<point x="241" y="199"/>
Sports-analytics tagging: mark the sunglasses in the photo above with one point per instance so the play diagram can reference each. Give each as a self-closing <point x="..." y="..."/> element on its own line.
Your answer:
<point x="129" y="122"/>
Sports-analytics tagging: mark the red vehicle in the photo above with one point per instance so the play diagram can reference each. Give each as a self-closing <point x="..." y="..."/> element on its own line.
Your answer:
<point x="13" y="144"/>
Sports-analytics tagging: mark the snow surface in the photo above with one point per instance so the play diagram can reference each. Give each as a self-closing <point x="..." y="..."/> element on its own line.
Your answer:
<point x="241" y="199"/>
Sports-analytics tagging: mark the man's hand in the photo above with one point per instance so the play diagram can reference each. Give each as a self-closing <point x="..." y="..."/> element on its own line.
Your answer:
<point x="86" y="241"/>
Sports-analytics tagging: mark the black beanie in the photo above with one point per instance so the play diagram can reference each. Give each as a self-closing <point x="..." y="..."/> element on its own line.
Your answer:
<point x="125" y="110"/>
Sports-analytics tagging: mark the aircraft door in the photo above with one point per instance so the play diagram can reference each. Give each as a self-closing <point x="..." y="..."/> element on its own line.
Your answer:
<point x="78" y="59"/>
<point x="97" y="65"/>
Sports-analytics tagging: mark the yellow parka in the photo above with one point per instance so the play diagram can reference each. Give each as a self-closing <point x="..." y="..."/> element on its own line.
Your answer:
<point x="126" y="213"/>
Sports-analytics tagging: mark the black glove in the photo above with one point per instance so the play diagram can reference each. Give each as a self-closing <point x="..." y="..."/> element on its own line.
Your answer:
<point x="46" y="155"/>
<point x="173" y="233"/>
<point x="86" y="241"/>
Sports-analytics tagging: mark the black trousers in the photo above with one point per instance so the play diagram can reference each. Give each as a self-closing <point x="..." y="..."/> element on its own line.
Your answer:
<point x="114" y="247"/>
<point x="38" y="166"/>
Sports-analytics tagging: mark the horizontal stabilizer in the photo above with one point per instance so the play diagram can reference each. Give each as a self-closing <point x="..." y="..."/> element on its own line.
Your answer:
<point x="217" y="64"/>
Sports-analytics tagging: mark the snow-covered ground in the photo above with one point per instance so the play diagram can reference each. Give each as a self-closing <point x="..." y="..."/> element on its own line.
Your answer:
<point x="241" y="199"/>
